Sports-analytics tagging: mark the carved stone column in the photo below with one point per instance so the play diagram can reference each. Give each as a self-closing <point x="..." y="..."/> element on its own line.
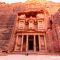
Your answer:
<point x="16" y="47"/>
<point x="22" y="43"/>
<point x="34" y="44"/>
<point x="45" y="43"/>
<point x="39" y="42"/>
<point x="27" y="43"/>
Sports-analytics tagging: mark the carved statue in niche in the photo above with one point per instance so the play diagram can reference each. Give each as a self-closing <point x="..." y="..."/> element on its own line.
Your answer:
<point x="21" y="21"/>
<point x="40" y="18"/>
<point x="31" y="23"/>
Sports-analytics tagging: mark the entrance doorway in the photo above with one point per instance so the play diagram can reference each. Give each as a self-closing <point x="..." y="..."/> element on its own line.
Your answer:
<point x="30" y="42"/>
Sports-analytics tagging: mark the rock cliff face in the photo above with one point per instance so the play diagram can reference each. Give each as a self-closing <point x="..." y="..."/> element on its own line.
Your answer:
<point x="8" y="15"/>
<point x="53" y="32"/>
<point x="6" y="27"/>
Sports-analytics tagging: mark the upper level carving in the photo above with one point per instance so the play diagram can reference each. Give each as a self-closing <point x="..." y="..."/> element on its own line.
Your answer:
<point x="31" y="21"/>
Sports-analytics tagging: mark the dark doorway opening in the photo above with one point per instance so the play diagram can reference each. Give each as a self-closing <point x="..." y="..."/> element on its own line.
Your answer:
<point x="24" y="42"/>
<point x="37" y="43"/>
<point x="30" y="42"/>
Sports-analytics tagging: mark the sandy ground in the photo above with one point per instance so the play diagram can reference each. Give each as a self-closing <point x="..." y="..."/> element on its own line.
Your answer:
<point x="29" y="57"/>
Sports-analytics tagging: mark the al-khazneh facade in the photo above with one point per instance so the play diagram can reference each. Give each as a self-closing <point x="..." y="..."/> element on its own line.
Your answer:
<point x="32" y="27"/>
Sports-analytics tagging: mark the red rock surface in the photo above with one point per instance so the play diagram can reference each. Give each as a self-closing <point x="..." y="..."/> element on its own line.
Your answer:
<point x="8" y="15"/>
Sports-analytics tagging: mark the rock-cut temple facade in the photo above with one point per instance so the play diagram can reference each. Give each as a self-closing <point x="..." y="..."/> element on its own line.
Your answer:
<point x="32" y="27"/>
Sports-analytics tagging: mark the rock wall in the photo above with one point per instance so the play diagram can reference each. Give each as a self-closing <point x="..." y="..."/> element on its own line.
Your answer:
<point x="6" y="27"/>
<point x="53" y="33"/>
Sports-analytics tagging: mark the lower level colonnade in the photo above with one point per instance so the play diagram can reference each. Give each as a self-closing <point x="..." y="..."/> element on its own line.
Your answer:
<point x="33" y="43"/>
